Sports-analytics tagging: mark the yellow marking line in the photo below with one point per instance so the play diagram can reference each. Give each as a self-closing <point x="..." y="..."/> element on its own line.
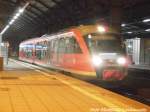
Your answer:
<point x="99" y="99"/>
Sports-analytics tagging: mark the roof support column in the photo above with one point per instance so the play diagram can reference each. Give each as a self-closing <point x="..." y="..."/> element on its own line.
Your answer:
<point x="116" y="15"/>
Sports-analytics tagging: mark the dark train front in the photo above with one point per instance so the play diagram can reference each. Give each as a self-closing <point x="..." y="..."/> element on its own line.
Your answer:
<point x="108" y="55"/>
<point x="89" y="50"/>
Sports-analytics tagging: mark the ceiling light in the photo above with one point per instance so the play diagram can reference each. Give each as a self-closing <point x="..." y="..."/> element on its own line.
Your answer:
<point x="16" y="16"/>
<point x="146" y="20"/>
<point x="148" y="30"/>
<point x="4" y="29"/>
<point x="129" y="32"/>
<point x="11" y="22"/>
<point x="129" y="46"/>
<point x="123" y="25"/>
<point x="20" y="11"/>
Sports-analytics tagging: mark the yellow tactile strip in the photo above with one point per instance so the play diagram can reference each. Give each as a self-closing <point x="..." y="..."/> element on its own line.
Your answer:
<point x="37" y="91"/>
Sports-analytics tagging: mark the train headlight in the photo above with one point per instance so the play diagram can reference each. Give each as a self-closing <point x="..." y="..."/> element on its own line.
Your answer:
<point x="97" y="60"/>
<point x="101" y="29"/>
<point x="121" y="61"/>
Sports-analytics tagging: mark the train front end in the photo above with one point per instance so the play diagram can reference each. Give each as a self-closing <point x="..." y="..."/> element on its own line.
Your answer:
<point x="110" y="66"/>
<point x="108" y="55"/>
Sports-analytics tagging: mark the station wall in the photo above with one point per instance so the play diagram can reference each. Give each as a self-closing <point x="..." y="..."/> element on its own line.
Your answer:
<point x="145" y="51"/>
<point x="138" y="49"/>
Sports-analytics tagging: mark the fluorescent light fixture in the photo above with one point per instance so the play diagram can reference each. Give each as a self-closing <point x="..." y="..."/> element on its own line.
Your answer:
<point x="5" y="29"/>
<point x="11" y="22"/>
<point x="16" y="16"/>
<point x="148" y="30"/>
<point x="20" y="11"/>
<point x="129" y="32"/>
<point x="129" y="46"/>
<point x="2" y="44"/>
<point x="123" y="25"/>
<point x="146" y="20"/>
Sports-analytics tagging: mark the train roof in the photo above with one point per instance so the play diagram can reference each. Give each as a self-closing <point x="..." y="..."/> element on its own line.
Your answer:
<point x="33" y="40"/>
<point x="87" y="29"/>
<point x="84" y="30"/>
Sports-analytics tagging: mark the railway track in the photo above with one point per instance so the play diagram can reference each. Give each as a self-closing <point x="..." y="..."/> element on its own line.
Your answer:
<point x="133" y="93"/>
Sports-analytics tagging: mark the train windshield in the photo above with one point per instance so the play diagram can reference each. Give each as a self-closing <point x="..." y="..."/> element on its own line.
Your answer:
<point x="105" y="43"/>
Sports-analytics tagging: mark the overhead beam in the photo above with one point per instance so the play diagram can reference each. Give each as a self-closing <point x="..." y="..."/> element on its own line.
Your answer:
<point x="30" y="15"/>
<point x="42" y="3"/>
<point x="42" y="12"/>
<point x="38" y="16"/>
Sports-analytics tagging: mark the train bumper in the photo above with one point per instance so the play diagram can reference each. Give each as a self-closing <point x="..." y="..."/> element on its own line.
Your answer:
<point x="112" y="75"/>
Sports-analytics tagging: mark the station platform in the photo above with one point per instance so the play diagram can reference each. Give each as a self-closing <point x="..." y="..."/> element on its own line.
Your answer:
<point x="140" y="67"/>
<point x="29" y="88"/>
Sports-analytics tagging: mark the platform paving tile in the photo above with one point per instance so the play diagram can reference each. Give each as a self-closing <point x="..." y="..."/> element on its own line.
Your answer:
<point x="30" y="91"/>
<point x="26" y="90"/>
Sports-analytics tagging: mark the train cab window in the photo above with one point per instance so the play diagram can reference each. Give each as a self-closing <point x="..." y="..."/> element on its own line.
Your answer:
<point x="72" y="46"/>
<point x="103" y="43"/>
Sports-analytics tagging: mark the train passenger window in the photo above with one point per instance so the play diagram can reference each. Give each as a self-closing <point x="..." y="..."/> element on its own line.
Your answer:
<point x="68" y="46"/>
<point x="41" y="50"/>
<point x="28" y="50"/>
<point x="51" y="46"/>
<point x="45" y="44"/>
<point x="72" y="46"/>
<point x="55" y="44"/>
<point x="62" y="46"/>
<point x="38" y="51"/>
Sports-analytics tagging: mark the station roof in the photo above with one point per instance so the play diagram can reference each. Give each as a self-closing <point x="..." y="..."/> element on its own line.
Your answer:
<point x="47" y="16"/>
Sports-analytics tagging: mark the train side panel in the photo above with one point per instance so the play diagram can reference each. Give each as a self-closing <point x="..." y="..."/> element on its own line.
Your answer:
<point x="72" y="56"/>
<point x="27" y="53"/>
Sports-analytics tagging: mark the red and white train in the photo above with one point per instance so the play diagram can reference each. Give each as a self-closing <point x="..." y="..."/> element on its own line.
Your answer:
<point x="89" y="50"/>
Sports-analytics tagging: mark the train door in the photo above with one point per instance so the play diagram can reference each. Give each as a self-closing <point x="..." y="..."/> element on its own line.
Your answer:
<point x="41" y="52"/>
<point x="69" y="52"/>
<point x="29" y="52"/>
<point x="45" y="51"/>
<point x="54" y="56"/>
<point x="61" y="51"/>
<point x="49" y="48"/>
<point x="34" y="53"/>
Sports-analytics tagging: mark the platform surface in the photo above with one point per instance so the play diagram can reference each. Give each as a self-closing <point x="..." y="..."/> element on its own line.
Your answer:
<point x="27" y="88"/>
<point x="140" y="67"/>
